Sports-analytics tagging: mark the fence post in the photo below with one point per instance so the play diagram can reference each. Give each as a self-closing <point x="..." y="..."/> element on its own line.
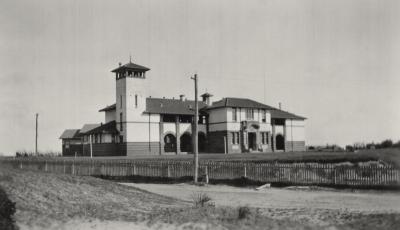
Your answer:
<point x="334" y="175"/>
<point x="20" y="164"/>
<point x="245" y="171"/>
<point x="207" y="179"/>
<point x="45" y="166"/>
<point x="168" y="172"/>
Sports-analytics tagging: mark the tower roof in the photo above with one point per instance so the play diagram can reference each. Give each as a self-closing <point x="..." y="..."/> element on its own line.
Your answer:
<point x="130" y="66"/>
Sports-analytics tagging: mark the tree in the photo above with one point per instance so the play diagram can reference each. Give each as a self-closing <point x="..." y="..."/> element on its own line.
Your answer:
<point x="386" y="144"/>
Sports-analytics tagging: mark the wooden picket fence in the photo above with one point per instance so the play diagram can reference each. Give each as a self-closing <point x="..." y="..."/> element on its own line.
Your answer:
<point x="328" y="174"/>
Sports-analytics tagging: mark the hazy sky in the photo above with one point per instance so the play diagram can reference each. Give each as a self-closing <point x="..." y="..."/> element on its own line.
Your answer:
<point x="335" y="62"/>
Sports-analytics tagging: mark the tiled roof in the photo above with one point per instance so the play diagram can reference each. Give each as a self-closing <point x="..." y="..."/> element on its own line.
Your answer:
<point x="171" y="106"/>
<point x="69" y="134"/>
<point x="131" y="66"/>
<point x="108" y="108"/>
<point x="238" y="102"/>
<point x="88" y="127"/>
<point x="109" y="127"/>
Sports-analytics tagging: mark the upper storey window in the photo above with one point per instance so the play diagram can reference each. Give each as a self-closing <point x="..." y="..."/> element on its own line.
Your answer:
<point x="250" y="114"/>
<point x="234" y="114"/>
<point x="264" y="115"/>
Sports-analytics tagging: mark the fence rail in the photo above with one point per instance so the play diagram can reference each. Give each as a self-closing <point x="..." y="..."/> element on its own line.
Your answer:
<point x="288" y="173"/>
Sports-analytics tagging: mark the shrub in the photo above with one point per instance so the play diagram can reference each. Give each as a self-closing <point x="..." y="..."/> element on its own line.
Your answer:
<point x="7" y="210"/>
<point x="200" y="199"/>
<point x="243" y="212"/>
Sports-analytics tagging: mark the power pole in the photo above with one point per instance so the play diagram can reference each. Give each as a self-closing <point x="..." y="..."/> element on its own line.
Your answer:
<point x="195" y="135"/>
<point x="36" y="136"/>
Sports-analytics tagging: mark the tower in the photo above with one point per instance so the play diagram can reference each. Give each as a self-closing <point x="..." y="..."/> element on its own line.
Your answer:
<point x="131" y="92"/>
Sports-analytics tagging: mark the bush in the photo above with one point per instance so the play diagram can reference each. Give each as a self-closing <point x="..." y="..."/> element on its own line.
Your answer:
<point x="200" y="199"/>
<point x="243" y="212"/>
<point x="7" y="210"/>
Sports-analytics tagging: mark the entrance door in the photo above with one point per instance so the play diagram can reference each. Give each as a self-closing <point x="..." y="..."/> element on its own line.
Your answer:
<point x="280" y="142"/>
<point x="252" y="141"/>
<point x="186" y="143"/>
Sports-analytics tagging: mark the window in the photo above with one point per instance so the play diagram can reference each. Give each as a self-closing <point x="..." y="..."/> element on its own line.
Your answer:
<point x="136" y="100"/>
<point x="168" y="118"/>
<point x="185" y="119"/>
<point x="235" y="138"/>
<point x="249" y="114"/>
<point x="264" y="138"/>
<point x="234" y="114"/>
<point x="202" y="119"/>
<point x="121" y="127"/>
<point x="264" y="116"/>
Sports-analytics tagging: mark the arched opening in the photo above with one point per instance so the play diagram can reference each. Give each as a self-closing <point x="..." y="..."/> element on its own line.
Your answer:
<point x="186" y="143"/>
<point x="202" y="142"/>
<point x="169" y="143"/>
<point x="280" y="142"/>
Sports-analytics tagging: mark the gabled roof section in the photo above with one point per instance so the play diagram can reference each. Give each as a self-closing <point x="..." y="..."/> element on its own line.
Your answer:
<point x="248" y="103"/>
<point x="108" y="108"/>
<point x="70" y="134"/>
<point x="171" y="106"/>
<point x="88" y="127"/>
<point x="109" y="127"/>
<point x="130" y="66"/>
<point x="276" y="113"/>
<point x="239" y="102"/>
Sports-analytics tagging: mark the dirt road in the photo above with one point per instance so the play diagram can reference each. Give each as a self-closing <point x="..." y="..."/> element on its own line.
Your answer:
<point x="280" y="198"/>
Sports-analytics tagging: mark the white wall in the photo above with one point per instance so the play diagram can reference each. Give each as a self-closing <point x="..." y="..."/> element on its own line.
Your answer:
<point x="169" y="127"/>
<point x="278" y="129"/>
<point x="110" y="116"/>
<point x="142" y="132"/>
<point x="218" y="115"/>
<point x="295" y="130"/>
<point x="185" y="127"/>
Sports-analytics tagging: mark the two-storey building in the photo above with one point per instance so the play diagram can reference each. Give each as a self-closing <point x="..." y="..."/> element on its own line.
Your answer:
<point x="138" y="124"/>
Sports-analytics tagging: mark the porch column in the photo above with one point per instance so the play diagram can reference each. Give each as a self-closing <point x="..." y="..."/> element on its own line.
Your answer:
<point x="161" y="134"/>
<point x="273" y="138"/>
<point x="178" y="135"/>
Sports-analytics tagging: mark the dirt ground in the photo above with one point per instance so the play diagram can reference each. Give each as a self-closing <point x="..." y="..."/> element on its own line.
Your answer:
<point x="57" y="201"/>
<point x="321" y="206"/>
<point x="282" y="198"/>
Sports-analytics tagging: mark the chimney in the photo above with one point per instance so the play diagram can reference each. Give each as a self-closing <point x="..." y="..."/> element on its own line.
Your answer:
<point x="280" y="106"/>
<point x="206" y="98"/>
<point x="181" y="97"/>
<point x="119" y="63"/>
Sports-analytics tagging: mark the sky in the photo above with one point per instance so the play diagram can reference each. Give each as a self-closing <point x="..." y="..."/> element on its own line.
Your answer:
<point x="335" y="62"/>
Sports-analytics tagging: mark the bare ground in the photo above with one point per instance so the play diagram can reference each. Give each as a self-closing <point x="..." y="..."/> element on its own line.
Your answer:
<point x="56" y="201"/>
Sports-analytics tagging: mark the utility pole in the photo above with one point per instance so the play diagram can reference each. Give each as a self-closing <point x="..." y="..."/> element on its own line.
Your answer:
<point x="91" y="146"/>
<point x="36" y="135"/>
<point x="194" y="136"/>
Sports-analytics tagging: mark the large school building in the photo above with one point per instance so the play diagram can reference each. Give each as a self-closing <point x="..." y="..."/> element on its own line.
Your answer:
<point x="138" y="124"/>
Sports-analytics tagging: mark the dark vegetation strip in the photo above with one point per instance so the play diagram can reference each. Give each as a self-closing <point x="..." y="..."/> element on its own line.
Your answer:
<point x="7" y="210"/>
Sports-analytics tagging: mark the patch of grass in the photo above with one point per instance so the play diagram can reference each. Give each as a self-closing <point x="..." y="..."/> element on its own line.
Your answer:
<point x="243" y="212"/>
<point x="200" y="199"/>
